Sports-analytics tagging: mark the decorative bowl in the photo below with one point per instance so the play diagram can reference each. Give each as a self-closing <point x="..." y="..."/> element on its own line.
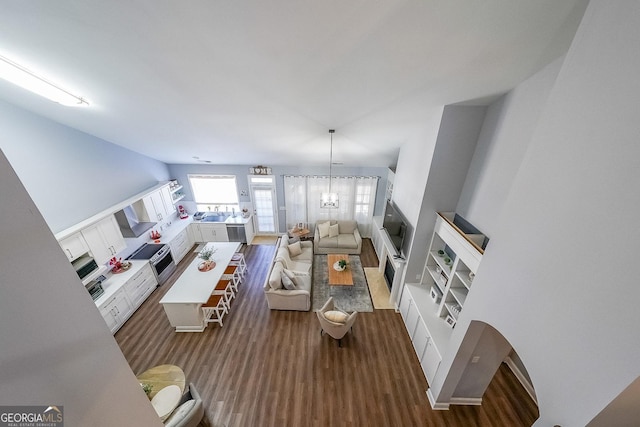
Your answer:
<point x="447" y="261"/>
<point x="440" y="253"/>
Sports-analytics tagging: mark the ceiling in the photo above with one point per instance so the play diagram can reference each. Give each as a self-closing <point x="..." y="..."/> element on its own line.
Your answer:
<point x="261" y="82"/>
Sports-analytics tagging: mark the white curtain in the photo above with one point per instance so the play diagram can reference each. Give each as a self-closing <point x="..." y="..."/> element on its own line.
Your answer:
<point x="356" y="200"/>
<point x="295" y="194"/>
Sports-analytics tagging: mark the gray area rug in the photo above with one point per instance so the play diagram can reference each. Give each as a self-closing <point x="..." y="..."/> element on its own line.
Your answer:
<point x="347" y="298"/>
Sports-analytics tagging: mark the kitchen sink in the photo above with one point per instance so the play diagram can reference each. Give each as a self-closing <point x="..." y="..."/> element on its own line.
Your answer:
<point x="214" y="218"/>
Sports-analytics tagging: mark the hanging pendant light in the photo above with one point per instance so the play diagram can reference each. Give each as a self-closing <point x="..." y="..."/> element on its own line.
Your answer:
<point x="330" y="199"/>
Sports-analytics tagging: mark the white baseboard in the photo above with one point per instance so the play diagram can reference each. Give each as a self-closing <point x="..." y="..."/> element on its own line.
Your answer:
<point x="435" y="405"/>
<point x="522" y="378"/>
<point x="475" y="401"/>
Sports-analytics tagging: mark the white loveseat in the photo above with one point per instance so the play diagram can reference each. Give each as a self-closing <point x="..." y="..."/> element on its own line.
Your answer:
<point x="343" y="239"/>
<point x="298" y="269"/>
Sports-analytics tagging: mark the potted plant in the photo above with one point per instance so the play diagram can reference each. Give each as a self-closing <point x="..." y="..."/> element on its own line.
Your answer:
<point x="341" y="265"/>
<point x="146" y="388"/>
<point x="206" y="254"/>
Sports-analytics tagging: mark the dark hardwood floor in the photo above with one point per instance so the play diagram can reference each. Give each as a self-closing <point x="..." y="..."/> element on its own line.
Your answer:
<point x="273" y="368"/>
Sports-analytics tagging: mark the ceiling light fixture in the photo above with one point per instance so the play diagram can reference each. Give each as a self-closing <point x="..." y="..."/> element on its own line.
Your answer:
<point x="330" y="199"/>
<point x="20" y="76"/>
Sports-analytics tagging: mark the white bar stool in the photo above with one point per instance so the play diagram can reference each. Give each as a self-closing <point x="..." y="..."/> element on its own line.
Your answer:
<point x="225" y="288"/>
<point x="214" y="309"/>
<point x="238" y="260"/>
<point x="232" y="272"/>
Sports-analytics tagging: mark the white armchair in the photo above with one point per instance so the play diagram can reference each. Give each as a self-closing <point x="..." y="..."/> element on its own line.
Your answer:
<point x="335" y="322"/>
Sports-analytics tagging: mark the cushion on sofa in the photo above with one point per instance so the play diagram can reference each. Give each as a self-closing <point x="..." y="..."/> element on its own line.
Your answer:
<point x="178" y="415"/>
<point x="334" y="230"/>
<point x="275" y="279"/>
<point x="347" y="241"/>
<point x="323" y="228"/>
<point x="336" y="316"/>
<point x="287" y="282"/>
<point x="347" y="227"/>
<point x="295" y="249"/>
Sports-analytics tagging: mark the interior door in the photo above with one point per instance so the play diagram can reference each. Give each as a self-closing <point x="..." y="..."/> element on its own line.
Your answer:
<point x="265" y="206"/>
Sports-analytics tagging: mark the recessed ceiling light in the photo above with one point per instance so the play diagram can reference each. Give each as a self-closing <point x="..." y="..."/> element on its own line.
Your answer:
<point x="26" y="79"/>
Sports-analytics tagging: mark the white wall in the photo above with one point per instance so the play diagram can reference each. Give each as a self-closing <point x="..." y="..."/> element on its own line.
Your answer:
<point x="456" y="141"/>
<point x="557" y="279"/>
<point x="414" y="162"/>
<point x="55" y="347"/>
<point x="69" y="174"/>
<point x="180" y="172"/>
<point x="505" y="136"/>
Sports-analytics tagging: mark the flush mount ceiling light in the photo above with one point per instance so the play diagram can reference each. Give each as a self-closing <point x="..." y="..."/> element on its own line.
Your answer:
<point x="20" y="76"/>
<point x="330" y="199"/>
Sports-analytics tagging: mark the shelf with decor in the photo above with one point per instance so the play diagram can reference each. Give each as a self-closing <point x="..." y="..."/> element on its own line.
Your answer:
<point x="175" y="189"/>
<point x="453" y="258"/>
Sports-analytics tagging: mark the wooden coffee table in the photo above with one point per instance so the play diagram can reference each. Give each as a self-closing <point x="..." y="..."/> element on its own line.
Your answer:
<point x="162" y="376"/>
<point x="339" y="278"/>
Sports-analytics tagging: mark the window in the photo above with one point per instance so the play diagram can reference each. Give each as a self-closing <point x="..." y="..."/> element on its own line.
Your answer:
<point x="214" y="192"/>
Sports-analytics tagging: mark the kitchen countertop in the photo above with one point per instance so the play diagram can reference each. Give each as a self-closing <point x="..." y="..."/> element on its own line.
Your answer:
<point x="116" y="281"/>
<point x="238" y="219"/>
<point x="177" y="226"/>
<point x="194" y="286"/>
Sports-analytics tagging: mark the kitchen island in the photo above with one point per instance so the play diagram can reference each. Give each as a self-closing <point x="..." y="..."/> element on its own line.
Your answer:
<point x="182" y="302"/>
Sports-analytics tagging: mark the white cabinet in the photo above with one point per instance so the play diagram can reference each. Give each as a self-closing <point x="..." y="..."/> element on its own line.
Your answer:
<point x="376" y="236"/>
<point x="104" y="239"/>
<point x="209" y="232"/>
<point x="167" y="200"/>
<point x="180" y="245"/>
<point x="421" y="337"/>
<point x="116" y="310"/>
<point x="140" y="285"/>
<point x="430" y="360"/>
<point x="129" y="294"/>
<point x="74" y="246"/>
<point x="249" y="232"/>
<point x="159" y="204"/>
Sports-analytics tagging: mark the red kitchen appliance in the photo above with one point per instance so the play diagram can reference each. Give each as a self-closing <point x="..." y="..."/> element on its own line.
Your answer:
<point x="182" y="212"/>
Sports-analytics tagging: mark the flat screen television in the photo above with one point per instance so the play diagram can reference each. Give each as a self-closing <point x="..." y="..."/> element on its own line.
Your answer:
<point x="395" y="225"/>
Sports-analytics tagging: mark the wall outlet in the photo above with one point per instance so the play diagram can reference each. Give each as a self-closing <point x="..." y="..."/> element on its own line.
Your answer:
<point x="418" y="276"/>
<point x="475" y="359"/>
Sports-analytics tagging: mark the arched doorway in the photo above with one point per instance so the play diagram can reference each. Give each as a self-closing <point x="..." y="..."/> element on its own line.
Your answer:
<point x="482" y="352"/>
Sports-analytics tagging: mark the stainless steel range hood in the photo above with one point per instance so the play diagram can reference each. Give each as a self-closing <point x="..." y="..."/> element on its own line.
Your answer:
<point x="129" y="224"/>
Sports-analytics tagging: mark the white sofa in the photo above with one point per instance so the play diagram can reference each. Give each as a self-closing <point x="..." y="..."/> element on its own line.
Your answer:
<point x="300" y="268"/>
<point x="346" y="241"/>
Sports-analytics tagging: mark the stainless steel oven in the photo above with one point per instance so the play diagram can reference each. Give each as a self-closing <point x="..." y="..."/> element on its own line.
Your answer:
<point x="160" y="258"/>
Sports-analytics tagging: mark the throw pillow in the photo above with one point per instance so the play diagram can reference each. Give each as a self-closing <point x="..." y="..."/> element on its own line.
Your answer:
<point x="275" y="280"/>
<point x="295" y="249"/>
<point x="179" y="414"/>
<point x="288" y="283"/>
<point x="323" y="229"/>
<point x="297" y="281"/>
<point x="336" y="316"/>
<point x="334" y="230"/>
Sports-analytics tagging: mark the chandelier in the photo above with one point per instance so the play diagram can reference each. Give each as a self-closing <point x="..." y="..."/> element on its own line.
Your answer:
<point x="330" y="199"/>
